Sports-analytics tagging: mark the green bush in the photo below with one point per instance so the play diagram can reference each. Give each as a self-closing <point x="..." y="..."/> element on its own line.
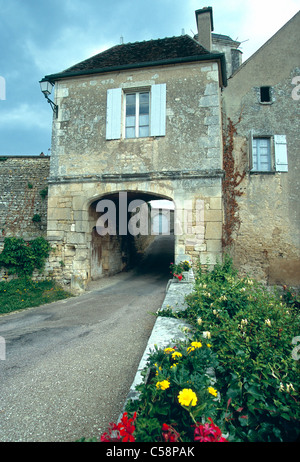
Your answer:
<point x="22" y="258"/>
<point x="251" y="330"/>
<point x="174" y="373"/>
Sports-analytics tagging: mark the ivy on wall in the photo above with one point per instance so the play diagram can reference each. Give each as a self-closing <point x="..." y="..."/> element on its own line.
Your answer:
<point x="22" y="258"/>
<point x="232" y="179"/>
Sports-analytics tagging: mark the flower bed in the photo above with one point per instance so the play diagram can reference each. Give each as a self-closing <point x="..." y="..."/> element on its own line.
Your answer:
<point x="236" y="376"/>
<point x="180" y="270"/>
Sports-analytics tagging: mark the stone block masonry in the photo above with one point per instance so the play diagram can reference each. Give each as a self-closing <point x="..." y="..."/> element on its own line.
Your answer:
<point x="23" y="195"/>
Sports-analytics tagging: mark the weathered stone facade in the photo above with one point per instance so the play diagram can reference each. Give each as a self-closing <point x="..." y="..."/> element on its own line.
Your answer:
<point x="266" y="244"/>
<point x="23" y="195"/>
<point x="184" y="165"/>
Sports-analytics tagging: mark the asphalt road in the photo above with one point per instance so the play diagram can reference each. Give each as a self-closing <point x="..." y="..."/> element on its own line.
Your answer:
<point x="69" y="365"/>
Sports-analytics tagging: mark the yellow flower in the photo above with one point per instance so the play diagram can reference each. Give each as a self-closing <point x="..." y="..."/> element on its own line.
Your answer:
<point x="174" y="365"/>
<point x="168" y="350"/>
<point x="176" y="354"/>
<point x="187" y="397"/>
<point x="212" y="391"/>
<point x="163" y="385"/>
<point x="193" y="346"/>
<point x="158" y="368"/>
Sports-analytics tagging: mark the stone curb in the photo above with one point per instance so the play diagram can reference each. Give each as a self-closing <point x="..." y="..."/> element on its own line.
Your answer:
<point x="165" y="330"/>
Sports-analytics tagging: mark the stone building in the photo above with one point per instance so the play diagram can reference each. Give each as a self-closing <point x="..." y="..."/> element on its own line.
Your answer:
<point x="262" y="105"/>
<point x="178" y="119"/>
<point x="140" y="121"/>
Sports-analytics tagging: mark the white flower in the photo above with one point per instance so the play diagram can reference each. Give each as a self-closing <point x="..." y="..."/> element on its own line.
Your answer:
<point x="268" y="322"/>
<point x="199" y="321"/>
<point x="290" y="387"/>
<point x="206" y="334"/>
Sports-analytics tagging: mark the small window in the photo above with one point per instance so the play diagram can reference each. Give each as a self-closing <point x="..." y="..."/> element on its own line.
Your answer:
<point x="265" y="95"/>
<point x="261" y="154"/>
<point x="137" y="115"/>
<point x="268" y="153"/>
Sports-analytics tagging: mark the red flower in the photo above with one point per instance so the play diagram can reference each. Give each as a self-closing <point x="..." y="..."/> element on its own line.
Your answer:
<point x="105" y="438"/>
<point x="178" y="276"/>
<point x="170" y="435"/>
<point x="208" y="433"/>
<point x="126" y="427"/>
<point x="124" y="430"/>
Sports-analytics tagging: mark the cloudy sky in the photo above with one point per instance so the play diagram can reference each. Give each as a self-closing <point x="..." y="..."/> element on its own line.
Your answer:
<point x="38" y="37"/>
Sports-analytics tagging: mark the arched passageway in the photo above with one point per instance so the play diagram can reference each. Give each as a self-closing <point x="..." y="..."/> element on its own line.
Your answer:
<point x="131" y="230"/>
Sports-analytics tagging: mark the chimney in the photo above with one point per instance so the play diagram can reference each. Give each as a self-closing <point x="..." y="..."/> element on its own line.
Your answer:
<point x="204" y="18"/>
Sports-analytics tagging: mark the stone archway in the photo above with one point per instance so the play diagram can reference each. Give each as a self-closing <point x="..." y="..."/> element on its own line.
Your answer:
<point x="72" y="217"/>
<point x="122" y="236"/>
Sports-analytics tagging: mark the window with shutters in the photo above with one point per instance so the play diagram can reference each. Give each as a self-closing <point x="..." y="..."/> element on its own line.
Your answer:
<point x="268" y="154"/>
<point x="136" y="114"/>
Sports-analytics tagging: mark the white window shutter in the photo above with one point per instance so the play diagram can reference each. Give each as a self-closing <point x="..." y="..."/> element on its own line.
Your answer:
<point x="113" y="114"/>
<point x="281" y="160"/>
<point x="250" y="150"/>
<point x="158" y="110"/>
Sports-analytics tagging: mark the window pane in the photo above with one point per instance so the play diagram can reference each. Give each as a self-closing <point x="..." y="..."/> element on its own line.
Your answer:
<point x="144" y="120"/>
<point x="130" y="99"/>
<point x="130" y="104"/>
<point x="144" y="131"/>
<point x="264" y="154"/>
<point x="261" y="154"/>
<point x="137" y="113"/>
<point x="130" y="121"/>
<point x="144" y="109"/>
<point x="130" y="132"/>
<point x="254" y="154"/>
<point x="144" y="103"/>
<point x="144" y="98"/>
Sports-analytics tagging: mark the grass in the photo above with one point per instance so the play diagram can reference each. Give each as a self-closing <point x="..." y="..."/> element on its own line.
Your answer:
<point x="21" y="293"/>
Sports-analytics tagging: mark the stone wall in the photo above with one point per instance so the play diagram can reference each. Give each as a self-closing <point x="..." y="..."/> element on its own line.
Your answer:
<point x="23" y="195"/>
<point x="267" y="241"/>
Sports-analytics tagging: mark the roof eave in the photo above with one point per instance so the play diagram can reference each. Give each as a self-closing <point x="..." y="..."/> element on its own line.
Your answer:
<point x="208" y="57"/>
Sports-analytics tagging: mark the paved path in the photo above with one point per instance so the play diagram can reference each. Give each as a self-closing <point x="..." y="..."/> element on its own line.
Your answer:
<point x="70" y="364"/>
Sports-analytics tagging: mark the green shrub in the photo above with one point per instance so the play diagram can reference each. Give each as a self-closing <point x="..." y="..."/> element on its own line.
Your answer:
<point x="187" y="366"/>
<point x="251" y="330"/>
<point x="44" y="193"/>
<point x="36" y="218"/>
